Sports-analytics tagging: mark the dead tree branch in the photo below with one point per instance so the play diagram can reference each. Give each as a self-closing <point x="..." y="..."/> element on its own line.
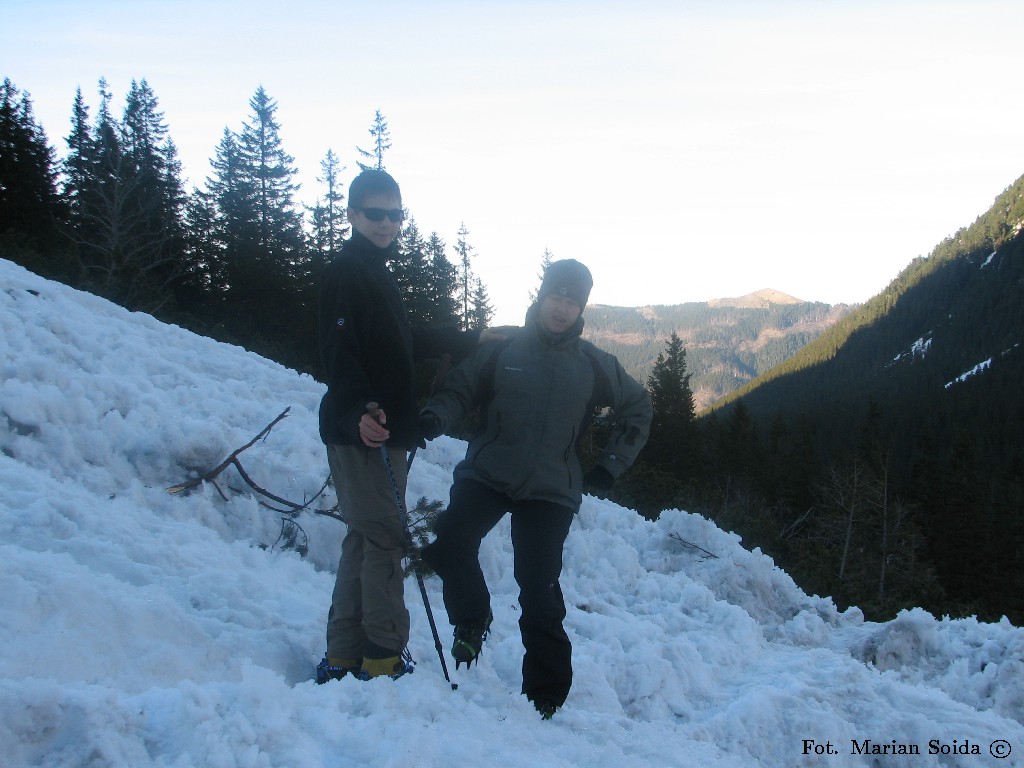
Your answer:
<point x="291" y="507"/>
<point x="691" y="545"/>
<point x="231" y="459"/>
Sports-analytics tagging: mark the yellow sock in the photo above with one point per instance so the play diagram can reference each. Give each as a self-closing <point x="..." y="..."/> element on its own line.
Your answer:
<point x="377" y="667"/>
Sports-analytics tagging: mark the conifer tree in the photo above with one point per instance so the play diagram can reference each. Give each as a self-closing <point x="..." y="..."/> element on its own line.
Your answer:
<point x="28" y="187"/>
<point x="229" y="202"/>
<point x="157" y="196"/>
<point x="203" y="282"/>
<point x="126" y="199"/>
<point x="442" y="281"/>
<point x="545" y="262"/>
<point x="410" y="270"/>
<point x="464" y="251"/>
<point x="482" y="312"/>
<point x="260" y="239"/>
<point x="328" y="219"/>
<point x="91" y="192"/>
<point x="381" y="144"/>
<point x="673" y="435"/>
<point x="272" y="174"/>
<point x="77" y="165"/>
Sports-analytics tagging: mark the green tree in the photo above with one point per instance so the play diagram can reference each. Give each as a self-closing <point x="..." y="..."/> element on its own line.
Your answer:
<point x="673" y="436"/>
<point x="77" y="166"/>
<point x="126" y="200"/>
<point x="272" y="173"/>
<point x="229" y="201"/>
<point x="28" y="186"/>
<point x="200" y="288"/>
<point x="545" y="262"/>
<point x="482" y="312"/>
<point x="328" y="218"/>
<point x="464" y="252"/>
<point x="381" y="144"/>
<point x="442" y="282"/>
<point x="89" y="169"/>
<point x="411" y="274"/>
<point x="259" y="246"/>
<point x="156" y="196"/>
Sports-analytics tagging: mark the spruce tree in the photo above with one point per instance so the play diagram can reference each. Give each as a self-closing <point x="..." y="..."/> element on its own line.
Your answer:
<point x="156" y="194"/>
<point x="79" y="190"/>
<point x="482" y="312"/>
<point x="126" y="200"/>
<point x="410" y="271"/>
<point x="464" y="251"/>
<point x="28" y="187"/>
<point x="381" y="144"/>
<point x="545" y="262"/>
<point x="230" y="203"/>
<point x="272" y="174"/>
<point x="203" y="282"/>
<point x="663" y="476"/>
<point x="261" y="241"/>
<point x="77" y="166"/>
<point x="673" y="436"/>
<point x="442" y="281"/>
<point x="328" y="219"/>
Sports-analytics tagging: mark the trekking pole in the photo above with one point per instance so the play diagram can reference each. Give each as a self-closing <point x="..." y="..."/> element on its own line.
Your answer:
<point x="403" y="514"/>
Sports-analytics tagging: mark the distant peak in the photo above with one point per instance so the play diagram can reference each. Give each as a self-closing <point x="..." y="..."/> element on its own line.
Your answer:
<point x="759" y="299"/>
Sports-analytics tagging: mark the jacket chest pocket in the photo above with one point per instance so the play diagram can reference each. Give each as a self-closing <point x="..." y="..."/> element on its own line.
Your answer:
<point x="520" y="384"/>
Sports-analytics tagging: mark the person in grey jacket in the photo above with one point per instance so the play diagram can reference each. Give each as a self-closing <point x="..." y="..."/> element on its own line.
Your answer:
<point x="538" y="391"/>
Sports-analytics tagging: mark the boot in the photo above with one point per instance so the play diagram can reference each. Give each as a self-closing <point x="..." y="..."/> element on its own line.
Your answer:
<point x="331" y="668"/>
<point x="545" y="708"/>
<point x="469" y="641"/>
<point x="392" y="666"/>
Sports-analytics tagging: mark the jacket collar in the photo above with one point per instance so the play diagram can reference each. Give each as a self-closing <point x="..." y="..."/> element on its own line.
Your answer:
<point x="361" y="248"/>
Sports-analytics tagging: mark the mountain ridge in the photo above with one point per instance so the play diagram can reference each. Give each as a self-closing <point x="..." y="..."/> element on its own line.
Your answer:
<point x="757" y="300"/>
<point x="728" y="341"/>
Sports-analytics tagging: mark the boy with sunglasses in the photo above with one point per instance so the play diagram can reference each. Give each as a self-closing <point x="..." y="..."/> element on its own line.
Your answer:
<point x="368" y="350"/>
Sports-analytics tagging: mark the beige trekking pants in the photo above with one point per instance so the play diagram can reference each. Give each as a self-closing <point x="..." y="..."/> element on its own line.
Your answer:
<point x="368" y="617"/>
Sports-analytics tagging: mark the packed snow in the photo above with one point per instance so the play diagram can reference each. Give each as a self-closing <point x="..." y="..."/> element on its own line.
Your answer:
<point x="145" y="628"/>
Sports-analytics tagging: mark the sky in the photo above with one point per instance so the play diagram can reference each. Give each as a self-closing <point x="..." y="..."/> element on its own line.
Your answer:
<point x="143" y="628"/>
<point x="685" y="150"/>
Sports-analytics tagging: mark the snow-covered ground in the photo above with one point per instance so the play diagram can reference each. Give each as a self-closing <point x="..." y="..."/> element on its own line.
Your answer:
<point x="143" y="628"/>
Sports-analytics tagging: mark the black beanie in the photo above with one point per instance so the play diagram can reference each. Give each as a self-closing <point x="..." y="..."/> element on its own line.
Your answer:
<point x="567" y="278"/>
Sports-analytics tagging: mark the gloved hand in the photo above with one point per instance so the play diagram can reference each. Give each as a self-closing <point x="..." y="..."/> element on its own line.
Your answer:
<point x="428" y="426"/>
<point x="599" y="479"/>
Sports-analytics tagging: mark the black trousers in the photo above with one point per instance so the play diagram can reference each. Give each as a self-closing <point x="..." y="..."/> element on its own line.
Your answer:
<point x="539" y="529"/>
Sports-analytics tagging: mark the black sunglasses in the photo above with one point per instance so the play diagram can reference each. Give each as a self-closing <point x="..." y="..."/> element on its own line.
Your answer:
<point x="377" y="214"/>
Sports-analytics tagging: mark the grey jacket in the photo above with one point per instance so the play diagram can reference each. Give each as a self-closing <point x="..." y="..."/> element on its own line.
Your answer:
<point x="537" y="393"/>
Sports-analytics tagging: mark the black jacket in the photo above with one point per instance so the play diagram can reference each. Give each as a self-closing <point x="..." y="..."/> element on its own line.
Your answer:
<point x="367" y="347"/>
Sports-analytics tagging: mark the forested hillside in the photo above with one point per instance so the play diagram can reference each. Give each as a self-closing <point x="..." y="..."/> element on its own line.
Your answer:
<point x="728" y="341"/>
<point x="929" y="347"/>
<point x="884" y="462"/>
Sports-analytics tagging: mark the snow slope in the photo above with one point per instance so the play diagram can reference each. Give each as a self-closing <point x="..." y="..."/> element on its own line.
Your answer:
<point x="143" y="628"/>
